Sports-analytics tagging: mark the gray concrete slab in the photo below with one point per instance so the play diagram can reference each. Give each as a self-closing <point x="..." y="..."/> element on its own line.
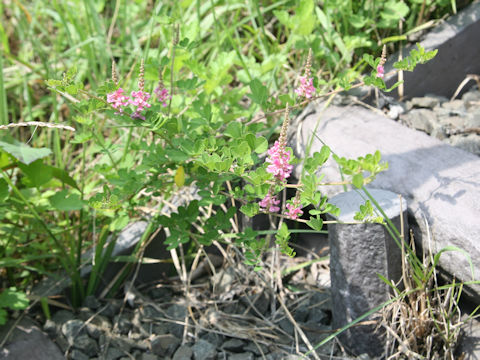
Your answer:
<point x="458" y="42"/>
<point x="440" y="183"/>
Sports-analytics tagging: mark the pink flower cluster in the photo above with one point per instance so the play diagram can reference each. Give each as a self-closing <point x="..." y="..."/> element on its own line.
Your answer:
<point x="117" y="99"/>
<point x="162" y="94"/>
<point x="306" y="87"/>
<point x="294" y="211"/>
<point x="380" y="71"/>
<point x="269" y="203"/>
<point x="279" y="159"/>
<point x="139" y="99"/>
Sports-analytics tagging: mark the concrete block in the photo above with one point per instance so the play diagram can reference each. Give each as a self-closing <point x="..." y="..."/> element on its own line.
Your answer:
<point x="440" y="183"/>
<point x="457" y="41"/>
<point x="358" y="252"/>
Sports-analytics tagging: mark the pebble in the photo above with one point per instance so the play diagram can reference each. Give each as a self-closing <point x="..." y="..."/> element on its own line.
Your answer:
<point x="184" y="352"/>
<point x="242" y="356"/>
<point x="234" y="345"/>
<point x="203" y="350"/>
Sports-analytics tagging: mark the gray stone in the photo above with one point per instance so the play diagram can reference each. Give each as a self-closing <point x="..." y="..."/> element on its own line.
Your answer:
<point x="440" y="183"/>
<point x="301" y="313"/>
<point x="85" y="344"/>
<point x="93" y="331"/>
<point x="176" y="312"/>
<point x="122" y="323"/>
<point x="27" y="341"/>
<point x="78" y="355"/>
<point x="287" y="326"/>
<point x="420" y="119"/>
<point x="203" y="350"/>
<point x="62" y="316"/>
<point x="50" y="328"/>
<point x="395" y="110"/>
<point x="253" y="348"/>
<point x="91" y="302"/>
<point x="184" y="352"/>
<point x="468" y="142"/>
<point x="358" y="253"/>
<point x="242" y="356"/>
<point x="114" y="353"/>
<point x="223" y="280"/>
<point x="73" y="328"/>
<point x="234" y="345"/>
<point x="428" y="102"/>
<point x="453" y="38"/>
<point x="145" y="356"/>
<point x="165" y="345"/>
<point x="469" y="344"/>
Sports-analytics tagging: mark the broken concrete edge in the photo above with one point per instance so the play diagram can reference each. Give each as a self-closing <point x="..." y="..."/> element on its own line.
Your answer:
<point x="439" y="182"/>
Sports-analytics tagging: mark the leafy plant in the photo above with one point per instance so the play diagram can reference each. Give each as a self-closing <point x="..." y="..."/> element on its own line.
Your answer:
<point x="11" y="299"/>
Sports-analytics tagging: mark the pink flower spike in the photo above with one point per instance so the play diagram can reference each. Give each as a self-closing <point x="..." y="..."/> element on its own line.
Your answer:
<point x="162" y="95"/>
<point x="269" y="203"/>
<point x="306" y="87"/>
<point x="294" y="211"/>
<point x="380" y="71"/>
<point x="139" y="99"/>
<point x="117" y="99"/>
<point x="279" y="159"/>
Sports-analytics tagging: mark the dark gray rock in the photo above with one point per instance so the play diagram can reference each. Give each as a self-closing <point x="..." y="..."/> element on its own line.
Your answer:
<point x="428" y="102"/>
<point x="301" y="313"/>
<point x="85" y="344"/>
<point x="233" y="345"/>
<point x="467" y="142"/>
<point x="242" y="356"/>
<point x="176" y="312"/>
<point x="253" y="348"/>
<point x="184" y="352"/>
<point x="203" y="350"/>
<point x="62" y="316"/>
<point x="78" y="355"/>
<point x="287" y="326"/>
<point x="145" y="356"/>
<point x="93" y="331"/>
<point x="357" y="254"/>
<point x="91" y="302"/>
<point x="122" y="323"/>
<point x="50" y="328"/>
<point x="114" y="353"/>
<point x="420" y="119"/>
<point x="469" y="344"/>
<point x="165" y="345"/>
<point x="440" y="182"/>
<point x="27" y="341"/>
<point x="73" y="328"/>
<point x="452" y="37"/>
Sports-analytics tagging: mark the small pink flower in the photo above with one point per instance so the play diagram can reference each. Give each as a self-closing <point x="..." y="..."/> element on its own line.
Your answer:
<point x="269" y="203"/>
<point x="306" y="87"/>
<point x="279" y="159"/>
<point x="380" y="71"/>
<point x="117" y="99"/>
<point x="162" y="95"/>
<point x="294" y="211"/>
<point x="139" y="99"/>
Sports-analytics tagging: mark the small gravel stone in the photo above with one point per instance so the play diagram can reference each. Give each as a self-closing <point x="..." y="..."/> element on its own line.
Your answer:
<point x="184" y="352"/>
<point x="149" y="312"/>
<point x="50" y="328"/>
<point x="93" y="331"/>
<point x="214" y="339"/>
<point x="145" y="356"/>
<point x="161" y="294"/>
<point x="203" y="350"/>
<point x="176" y="312"/>
<point x="91" y="302"/>
<point x="112" y="308"/>
<point x="242" y="356"/>
<point x="287" y="326"/>
<point x="253" y="348"/>
<point x="73" y="328"/>
<point x="114" y="353"/>
<point x="302" y="312"/>
<point x="86" y="345"/>
<point x="78" y="355"/>
<point x="62" y="316"/>
<point x="164" y="345"/>
<point x="123" y="324"/>
<point x="234" y="345"/>
<point x="428" y="102"/>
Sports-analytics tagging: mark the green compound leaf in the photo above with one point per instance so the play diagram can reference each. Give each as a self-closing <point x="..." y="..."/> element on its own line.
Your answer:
<point x="316" y="223"/>
<point x="24" y="153"/>
<point x="64" y="202"/>
<point x="259" y="92"/>
<point x="12" y="299"/>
